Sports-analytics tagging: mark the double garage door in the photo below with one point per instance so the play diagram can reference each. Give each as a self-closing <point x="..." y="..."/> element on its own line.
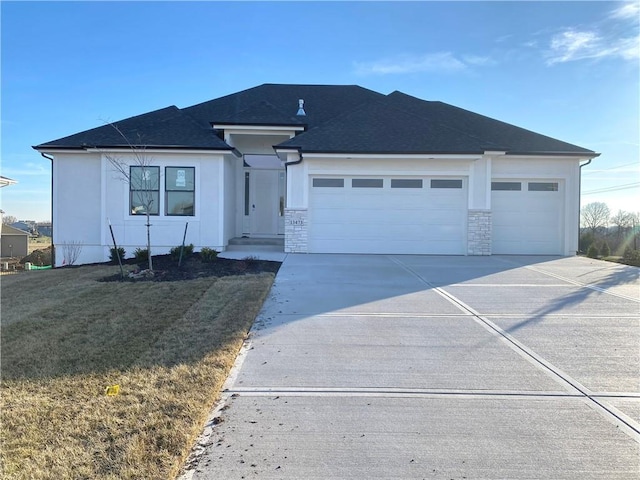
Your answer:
<point x="409" y="215"/>
<point x="528" y="217"/>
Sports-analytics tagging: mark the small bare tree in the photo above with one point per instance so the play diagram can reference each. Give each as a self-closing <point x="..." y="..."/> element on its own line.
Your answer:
<point x="70" y="252"/>
<point x="595" y="215"/>
<point x="143" y="183"/>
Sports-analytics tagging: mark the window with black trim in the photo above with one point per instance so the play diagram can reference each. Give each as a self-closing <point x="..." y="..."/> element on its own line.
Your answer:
<point x="506" y="186"/>
<point x="179" y="191"/>
<point x="366" y="183"/>
<point x="543" y="186"/>
<point x="328" y="182"/>
<point x="406" y="183"/>
<point x="446" y="183"/>
<point x="144" y="190"/>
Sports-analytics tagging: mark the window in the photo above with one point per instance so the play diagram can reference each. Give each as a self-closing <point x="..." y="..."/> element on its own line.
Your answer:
<point x="406" y="183"/>
<point x="543" y="186"/>
<point x="144" y="190"/>
<point x="446" y="183"/>
<point x="328" y="182"/>
<point x="366" y="183"/>
<point x="511" y="186"/>
<point x="247" y="193"/>
<point x="179" y="190"/>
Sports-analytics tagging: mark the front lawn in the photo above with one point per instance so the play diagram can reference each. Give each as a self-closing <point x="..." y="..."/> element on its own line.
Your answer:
<point x="66" y="336"/>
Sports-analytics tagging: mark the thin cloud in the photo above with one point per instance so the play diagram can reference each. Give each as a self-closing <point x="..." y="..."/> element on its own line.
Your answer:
<point x="441" y="62"/>
<point x="571" y="45"/>
<point x="433" y="62"/>
<point x="31" y="170"/>
<point x="629" y="10"/>
<point x="478" y="61"/>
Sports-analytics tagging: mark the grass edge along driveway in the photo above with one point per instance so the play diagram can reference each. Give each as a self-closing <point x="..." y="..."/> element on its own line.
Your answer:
<point x="66" y="337"/>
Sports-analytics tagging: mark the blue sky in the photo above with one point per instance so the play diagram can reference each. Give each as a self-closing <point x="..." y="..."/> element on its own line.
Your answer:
<point x="569" y="70"/>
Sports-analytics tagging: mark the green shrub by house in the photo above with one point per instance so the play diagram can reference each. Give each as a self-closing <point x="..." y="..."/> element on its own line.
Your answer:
<point x="592" y="252"/>
<point x="114" y="254"/>
<point x="208" y="254"/>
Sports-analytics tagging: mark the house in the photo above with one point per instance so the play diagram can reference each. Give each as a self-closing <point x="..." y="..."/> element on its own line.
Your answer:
<point x="13" y="242"/>
<point x="326" y="168"/>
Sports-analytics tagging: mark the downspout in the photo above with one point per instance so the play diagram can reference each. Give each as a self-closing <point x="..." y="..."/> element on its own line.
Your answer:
<point x="297" y="162"/>
<point x="580" y="201"/>
<point x="53" y="248"/>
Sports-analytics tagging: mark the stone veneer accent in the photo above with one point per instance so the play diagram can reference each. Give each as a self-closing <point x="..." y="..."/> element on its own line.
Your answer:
<point x="295" y="230"/>
<point x="479" y="232"/>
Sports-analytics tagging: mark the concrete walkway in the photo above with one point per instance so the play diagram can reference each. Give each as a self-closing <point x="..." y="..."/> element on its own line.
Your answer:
<point x="363" y="366"/>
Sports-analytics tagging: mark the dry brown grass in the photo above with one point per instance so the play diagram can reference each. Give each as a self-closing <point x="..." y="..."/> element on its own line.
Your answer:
<point x="66" y="336"/>
<point x="39" y="243"/>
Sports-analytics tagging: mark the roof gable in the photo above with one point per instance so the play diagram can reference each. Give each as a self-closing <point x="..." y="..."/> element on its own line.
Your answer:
<point x="9" y="230"/>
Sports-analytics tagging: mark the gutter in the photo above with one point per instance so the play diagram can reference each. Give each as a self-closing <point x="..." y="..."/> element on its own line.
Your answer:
<point x="53" y="247"/>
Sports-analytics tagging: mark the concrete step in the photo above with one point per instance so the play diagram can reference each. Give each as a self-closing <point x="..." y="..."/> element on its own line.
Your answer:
<point x="255" y="248"/>
<point x="271" y="242"/>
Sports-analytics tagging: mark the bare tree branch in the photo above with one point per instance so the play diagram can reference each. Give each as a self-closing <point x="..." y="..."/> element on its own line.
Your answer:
<point x="146" y="186"/>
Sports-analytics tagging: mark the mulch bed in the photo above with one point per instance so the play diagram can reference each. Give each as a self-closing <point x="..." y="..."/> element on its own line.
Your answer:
<point x="166" y="269"/>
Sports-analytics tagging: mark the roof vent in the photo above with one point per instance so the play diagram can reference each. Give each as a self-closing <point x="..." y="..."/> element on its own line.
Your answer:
<point x="301" y="107"/>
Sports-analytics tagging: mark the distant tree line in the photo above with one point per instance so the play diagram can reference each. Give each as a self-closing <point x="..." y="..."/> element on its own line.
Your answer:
<point x="603" y="234"/>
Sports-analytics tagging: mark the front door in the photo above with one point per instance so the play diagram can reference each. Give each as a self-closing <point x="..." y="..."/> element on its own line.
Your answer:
<point x="266" y="198"/>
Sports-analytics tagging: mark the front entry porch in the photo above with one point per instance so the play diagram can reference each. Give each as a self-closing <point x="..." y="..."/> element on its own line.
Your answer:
<point x="264" y="197"/>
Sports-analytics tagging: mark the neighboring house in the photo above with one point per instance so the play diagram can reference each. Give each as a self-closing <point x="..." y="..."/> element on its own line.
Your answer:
<point x="44" y="229"/>
<point x="329" y="168"/>
<point x="14" y="242"/>
<point x="25" y="226"/>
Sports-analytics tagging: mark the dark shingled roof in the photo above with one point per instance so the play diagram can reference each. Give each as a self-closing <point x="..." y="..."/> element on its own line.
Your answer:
<point x="262" y="113"/>
<point x="380" y="127"/>
<point x="339" y="119"/>
<point x="514" y="140"/>
<point x="165" y="128"/>
<point x="321" y="103"/>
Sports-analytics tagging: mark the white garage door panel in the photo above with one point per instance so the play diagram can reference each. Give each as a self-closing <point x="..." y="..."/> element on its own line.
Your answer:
<point x="527" y="222"/>
<point x="388" y="220"/>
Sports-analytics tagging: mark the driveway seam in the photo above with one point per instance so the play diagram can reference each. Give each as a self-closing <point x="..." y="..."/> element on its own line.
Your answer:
<point x="627" y="424"/>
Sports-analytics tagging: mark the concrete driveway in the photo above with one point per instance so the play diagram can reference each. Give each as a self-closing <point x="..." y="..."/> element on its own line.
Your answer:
<point x="373" y="366"/>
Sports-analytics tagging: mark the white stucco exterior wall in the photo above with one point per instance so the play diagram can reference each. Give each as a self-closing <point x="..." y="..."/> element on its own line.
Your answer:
<point x="76" y="205"/>
<point x="88" y="193"/>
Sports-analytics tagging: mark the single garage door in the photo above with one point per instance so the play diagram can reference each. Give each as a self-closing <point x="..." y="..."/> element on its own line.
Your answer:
<point x="413" y="215"/>
<point x="527" y="217"/>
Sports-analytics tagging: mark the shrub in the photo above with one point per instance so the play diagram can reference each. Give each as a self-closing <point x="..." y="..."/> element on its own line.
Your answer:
<point x="605" y="251"/>
<point x="592" y="252"/>
<point x="115" y="253"/>
<point x="141" y="255"/>
<point x="208" y="254"/>
<point x="631" y="257"/>
<point x="187" y="252"/>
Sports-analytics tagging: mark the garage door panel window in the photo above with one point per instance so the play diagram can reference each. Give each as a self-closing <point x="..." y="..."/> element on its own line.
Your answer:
<point x="506" y="186"/>
<point x="328" y="182"/>
<point x="366" y="183"/>
<point x="406" y="183"/>
<point x="446" y="183"/>
<point x="543" y="186"/>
